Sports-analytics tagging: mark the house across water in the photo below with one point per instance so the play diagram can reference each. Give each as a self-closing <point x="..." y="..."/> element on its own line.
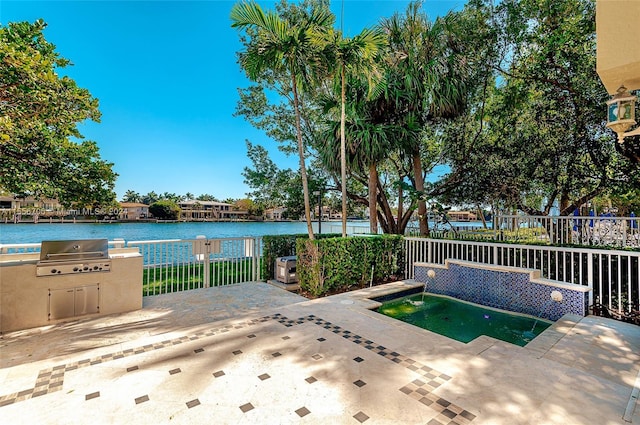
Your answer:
<point x="210" y="211"/>
<point x="462" y="216"/>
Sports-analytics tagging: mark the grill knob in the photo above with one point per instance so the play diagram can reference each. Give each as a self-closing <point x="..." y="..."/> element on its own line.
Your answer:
<point x="75" y="269"/>
<point x="54" y="271"/>
<point x="85" y="268"/>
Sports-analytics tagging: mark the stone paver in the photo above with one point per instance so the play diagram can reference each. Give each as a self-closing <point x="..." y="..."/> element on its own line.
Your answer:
<point x="253" y="353"/>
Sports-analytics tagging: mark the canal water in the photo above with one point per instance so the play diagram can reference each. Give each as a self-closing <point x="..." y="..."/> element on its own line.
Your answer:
<point x="34" y="233"/>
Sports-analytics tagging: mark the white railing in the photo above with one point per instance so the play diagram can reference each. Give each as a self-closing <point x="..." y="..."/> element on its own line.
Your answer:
<point x="576" y="230"/>
<point x="612" y="275"/>
<point x="182" y="264"/>
<point x="336" y="228"/>
<point x="19" y="248"/>
<point x="25" y="248"/>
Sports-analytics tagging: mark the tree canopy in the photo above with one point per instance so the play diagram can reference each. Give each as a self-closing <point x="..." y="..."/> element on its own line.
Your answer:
<point x="537" y="136"/>
<point x="284" y="45"/>
<point x="41" y="150"/>
<point x="505" y="94"/>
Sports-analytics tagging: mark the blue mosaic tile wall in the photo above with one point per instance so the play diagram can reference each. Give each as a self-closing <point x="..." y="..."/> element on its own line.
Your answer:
<point x="506" y="290"/>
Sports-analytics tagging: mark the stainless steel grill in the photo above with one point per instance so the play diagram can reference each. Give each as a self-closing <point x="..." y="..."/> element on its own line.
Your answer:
<point x="73" y="256"/>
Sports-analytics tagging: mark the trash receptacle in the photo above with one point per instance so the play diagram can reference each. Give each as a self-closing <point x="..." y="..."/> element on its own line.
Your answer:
<point x="286" y="269"/>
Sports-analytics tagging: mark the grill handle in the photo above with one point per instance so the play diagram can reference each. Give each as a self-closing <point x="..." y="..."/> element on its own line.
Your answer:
<point x="77" y="254"/>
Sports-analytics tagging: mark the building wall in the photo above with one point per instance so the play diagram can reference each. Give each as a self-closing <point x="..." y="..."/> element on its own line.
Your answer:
<point x="618" y="49"/>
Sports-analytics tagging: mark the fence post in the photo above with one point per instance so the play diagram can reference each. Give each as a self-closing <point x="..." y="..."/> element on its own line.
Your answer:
<point x="207" y="265"/>
<point x="256" y="259"/>
<point x="590" y="276"/>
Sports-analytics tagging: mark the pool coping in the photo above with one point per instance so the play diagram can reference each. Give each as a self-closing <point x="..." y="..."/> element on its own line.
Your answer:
<point x="570" y="382"/>
<point x="538" y="347"/>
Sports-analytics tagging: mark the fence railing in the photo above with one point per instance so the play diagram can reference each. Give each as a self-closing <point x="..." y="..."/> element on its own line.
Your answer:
<point x="334" y="227"/>
<point x="182" y="264"/>
<point x="575" y="230"/>
<point x="25" y="248"/>
<point x="602" y="230"/>
<point x="19" y="248"/>
<point x="612" y="275"/>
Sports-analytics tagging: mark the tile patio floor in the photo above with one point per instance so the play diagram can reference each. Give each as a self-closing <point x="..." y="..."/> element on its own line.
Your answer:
<point x="256" y="354"/>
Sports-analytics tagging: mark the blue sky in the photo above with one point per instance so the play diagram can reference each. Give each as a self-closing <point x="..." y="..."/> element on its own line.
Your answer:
<point x="166" y="76"/>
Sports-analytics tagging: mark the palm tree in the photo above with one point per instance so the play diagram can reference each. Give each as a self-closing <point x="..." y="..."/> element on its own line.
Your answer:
<point x="283" y="45"/>
<point x="131" y="196"/>
<point x="150" y="198"/>
<point x="427" y="81"/>
<point x="368" y="136"/>
<point x="353" y="56"/>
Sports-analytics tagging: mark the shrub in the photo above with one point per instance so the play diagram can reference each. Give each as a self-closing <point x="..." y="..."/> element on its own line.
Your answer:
<point x="275" y="246"/>
<point x="339" y="264"/>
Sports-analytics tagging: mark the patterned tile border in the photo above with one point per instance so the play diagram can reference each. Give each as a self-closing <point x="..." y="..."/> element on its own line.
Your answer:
<point x="419" y="389"/>
<point x="51" y="380"/>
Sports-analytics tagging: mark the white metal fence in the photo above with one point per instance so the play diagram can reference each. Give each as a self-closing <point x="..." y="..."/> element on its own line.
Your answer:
<point x="335" y="227"/>
<point x="177" y="265"/>
<point x="613" y="275"/>
<point x="182" y="264"/>
<point x="576" y="230"/>
<point x="25" y="248"/>
<point x="19" y="248"/>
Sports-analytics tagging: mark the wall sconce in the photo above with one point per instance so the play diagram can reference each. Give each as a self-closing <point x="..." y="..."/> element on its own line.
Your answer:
<point x="621" y="114"/>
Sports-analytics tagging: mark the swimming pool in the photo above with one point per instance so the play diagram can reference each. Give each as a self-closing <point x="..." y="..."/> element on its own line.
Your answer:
<point x="461" y="320"/>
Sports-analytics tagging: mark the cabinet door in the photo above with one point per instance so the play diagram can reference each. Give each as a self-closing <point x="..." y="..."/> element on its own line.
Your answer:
<point x="87" y="300"/>
<point x="61" y="303"/>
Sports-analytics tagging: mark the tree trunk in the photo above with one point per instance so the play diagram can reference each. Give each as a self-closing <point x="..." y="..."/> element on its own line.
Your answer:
<point x="373" y="198"/>
<point x="303" y="168"/>
<point x="419" y="181"/>
<point x="343" y="154"/>
<point x="482" y="217"/>
<point x="389" y="224"/>
<point x="400" y="204"/>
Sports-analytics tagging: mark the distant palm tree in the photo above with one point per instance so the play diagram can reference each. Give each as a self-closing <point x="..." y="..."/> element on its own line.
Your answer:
<point x="207" y="197"/>
<point x="282" y="45"/>
<point x="131" y="196"/>
<point x="150" y="198"/>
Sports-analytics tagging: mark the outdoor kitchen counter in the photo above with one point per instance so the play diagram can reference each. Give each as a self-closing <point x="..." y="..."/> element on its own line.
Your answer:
<point x="13" y="259"/>
<point x="28" y="301"/>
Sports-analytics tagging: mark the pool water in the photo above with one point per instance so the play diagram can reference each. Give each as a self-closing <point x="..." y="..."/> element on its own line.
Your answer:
<point x="463" y="321"/>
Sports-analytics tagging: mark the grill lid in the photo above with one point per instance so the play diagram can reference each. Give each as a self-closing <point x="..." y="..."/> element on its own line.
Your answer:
<point x="74" y="250"/>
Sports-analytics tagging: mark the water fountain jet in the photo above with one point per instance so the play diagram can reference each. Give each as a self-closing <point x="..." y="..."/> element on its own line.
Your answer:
<point x="556" y="296"/>
<point x="431" y="274"/>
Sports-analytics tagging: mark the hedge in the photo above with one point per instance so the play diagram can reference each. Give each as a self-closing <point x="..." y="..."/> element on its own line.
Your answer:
<point x="275" y="246"/>
<point x="339" y="264"/>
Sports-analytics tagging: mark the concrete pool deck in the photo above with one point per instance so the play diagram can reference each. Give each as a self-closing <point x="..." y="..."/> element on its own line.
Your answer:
<point x="256" y="354"/>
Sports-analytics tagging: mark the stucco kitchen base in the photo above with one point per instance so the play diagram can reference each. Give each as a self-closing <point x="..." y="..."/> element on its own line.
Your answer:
<point x="26" y="299"/>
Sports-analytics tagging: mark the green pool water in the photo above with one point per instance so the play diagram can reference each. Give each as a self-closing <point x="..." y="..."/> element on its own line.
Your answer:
<point x="462" y="321"/>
